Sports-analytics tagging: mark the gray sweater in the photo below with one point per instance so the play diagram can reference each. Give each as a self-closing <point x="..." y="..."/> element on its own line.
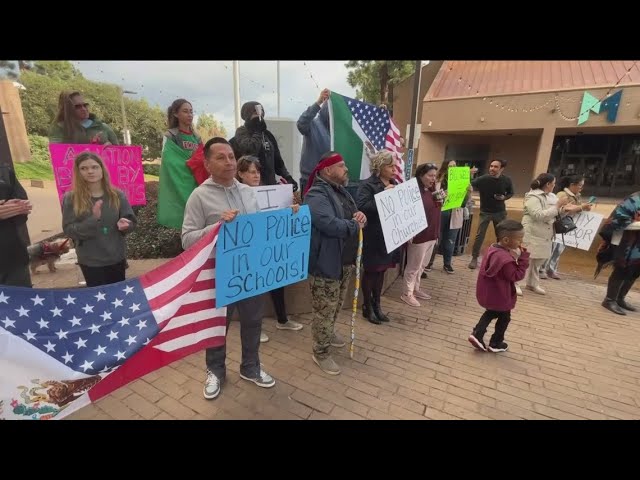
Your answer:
<point x="206" y="204"/>
<point x="98" y="242"/>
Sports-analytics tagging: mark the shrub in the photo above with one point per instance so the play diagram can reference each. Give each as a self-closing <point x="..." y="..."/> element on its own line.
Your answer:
<point x="39" y="147"/>
<point x="149" y="239"/>
<point x="151" y="169"/>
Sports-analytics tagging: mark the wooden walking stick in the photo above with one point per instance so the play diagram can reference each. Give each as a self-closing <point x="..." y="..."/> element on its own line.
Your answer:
<point x="355" y="293"/>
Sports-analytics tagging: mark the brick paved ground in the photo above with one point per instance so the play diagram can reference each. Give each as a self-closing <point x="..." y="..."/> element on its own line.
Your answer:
<point x="568" y="359"/>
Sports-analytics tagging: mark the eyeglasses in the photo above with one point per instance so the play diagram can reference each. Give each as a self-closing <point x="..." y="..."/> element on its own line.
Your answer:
<point x="81" y="105"/>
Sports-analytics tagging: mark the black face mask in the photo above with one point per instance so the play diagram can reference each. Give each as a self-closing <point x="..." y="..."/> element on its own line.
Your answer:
<point x="256" y="124"/>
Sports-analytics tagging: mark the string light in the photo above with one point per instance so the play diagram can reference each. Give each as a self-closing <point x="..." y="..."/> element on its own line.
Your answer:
<point x="556" y="98"/>
<point x="311" y="75"/>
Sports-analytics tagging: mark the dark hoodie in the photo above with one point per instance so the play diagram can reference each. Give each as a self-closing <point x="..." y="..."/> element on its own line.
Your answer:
<point x="495" y="288"/>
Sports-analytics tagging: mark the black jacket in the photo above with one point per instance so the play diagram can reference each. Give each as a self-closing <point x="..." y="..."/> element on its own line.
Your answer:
<point x="261" y="144"/>
<point x="13" y="247"/>
<point x="374" y="249"/>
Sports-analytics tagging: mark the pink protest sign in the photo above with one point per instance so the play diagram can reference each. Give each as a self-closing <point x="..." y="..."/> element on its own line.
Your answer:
<point x="123" y="162"/>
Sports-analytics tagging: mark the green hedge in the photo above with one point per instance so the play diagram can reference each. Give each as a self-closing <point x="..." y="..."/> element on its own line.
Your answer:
<point x="149" y="239"/>
<point x="39" y="147"/>
<point x="151" y="169"/>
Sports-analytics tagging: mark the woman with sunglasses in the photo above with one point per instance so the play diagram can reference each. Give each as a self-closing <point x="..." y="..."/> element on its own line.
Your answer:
<point x="74" y="124"/>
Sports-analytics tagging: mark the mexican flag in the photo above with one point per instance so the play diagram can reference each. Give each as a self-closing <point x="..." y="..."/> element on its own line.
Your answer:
<point x="359" y="129"/>
<point x="176" y="184"/>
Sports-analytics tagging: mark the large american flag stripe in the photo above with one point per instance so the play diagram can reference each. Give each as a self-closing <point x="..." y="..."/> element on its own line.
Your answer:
<point x="107" y="336"/>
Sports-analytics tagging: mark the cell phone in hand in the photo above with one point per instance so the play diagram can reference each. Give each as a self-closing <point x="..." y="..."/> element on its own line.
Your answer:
<point x="592" y="199"/>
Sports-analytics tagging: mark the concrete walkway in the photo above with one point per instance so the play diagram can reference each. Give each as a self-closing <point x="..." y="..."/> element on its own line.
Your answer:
<point x="568" y="358"/>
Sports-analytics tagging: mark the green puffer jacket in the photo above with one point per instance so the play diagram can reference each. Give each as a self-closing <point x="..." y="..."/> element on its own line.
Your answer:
<point x="98" y="132"/>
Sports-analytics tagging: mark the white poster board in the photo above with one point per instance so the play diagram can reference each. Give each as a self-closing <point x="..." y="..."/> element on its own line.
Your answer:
<point x="401" y="213"/>
<point x="273" y="197"/>
<point x="588" y="224"/>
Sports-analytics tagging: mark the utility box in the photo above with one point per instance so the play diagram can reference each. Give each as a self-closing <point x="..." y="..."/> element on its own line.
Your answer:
<point x="289" y="142"/>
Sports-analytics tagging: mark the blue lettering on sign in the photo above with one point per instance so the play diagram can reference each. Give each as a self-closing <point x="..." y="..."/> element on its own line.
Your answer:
<point x="260" y="252"/>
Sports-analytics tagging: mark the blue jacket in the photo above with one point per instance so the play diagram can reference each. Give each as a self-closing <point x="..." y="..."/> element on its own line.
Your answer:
<point x="329" y="229"/>
<point x="316" y="137"/>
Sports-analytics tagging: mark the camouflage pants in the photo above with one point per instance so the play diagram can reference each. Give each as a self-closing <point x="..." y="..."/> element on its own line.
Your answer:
<point x="327" y="295"/>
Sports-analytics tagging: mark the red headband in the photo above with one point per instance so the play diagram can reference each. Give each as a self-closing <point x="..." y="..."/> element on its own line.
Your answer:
<point x="327" y="162"/>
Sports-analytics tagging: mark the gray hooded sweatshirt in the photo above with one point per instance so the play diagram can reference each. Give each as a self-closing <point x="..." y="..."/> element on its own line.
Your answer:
<point x="206" y="204"/>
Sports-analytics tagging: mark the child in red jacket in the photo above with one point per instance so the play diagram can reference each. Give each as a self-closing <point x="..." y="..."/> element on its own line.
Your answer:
<point x="504" y="264"/>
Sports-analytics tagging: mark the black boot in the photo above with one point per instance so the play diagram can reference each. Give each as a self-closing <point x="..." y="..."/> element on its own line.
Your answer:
<point x="378" y="311"/>
<point x="613" y="306"/>
<point x="369" y="313"/>
<point x="626" y="286"/>
<point x="626" y="306"/>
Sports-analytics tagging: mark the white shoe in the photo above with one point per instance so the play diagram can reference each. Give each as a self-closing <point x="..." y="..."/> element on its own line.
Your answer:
<point x="421" y="294"/>
<point x="538" y="290"/>
<point x="263" y="337"/>
<point x="410" y="300"/>
<point x="518" y="290"/>
<point x="211" y="386"/>
<point x="290" y="325"/>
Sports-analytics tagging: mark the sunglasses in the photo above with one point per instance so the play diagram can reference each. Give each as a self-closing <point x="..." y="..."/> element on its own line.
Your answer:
<point x="81" y="105"/>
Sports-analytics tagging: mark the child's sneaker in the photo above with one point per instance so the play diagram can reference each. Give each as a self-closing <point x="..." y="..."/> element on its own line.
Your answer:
<point x="477" y="342"/>
<point x="499" y="347"/>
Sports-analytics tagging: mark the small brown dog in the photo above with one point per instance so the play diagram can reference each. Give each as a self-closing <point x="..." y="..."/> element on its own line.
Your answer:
<point x="47" y="253"/>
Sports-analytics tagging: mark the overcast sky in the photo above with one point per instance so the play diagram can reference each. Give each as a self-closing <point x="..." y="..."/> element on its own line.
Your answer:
<point x="209" y="85"/>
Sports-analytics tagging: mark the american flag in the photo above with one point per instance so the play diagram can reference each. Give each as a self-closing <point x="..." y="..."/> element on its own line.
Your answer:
<point x="382" y="132"/>
<point x="62" y="349"/>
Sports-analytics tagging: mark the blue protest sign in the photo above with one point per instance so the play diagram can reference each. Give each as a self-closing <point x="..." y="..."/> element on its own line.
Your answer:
<point x="260" y="252"/>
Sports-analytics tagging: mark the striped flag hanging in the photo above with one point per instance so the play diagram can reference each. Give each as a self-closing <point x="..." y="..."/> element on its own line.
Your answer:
<point x="358" y="130"/>
<point x="61" y="349"/>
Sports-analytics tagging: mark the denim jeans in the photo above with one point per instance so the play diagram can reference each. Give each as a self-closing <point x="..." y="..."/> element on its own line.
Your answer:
<point x="551" y="265"/>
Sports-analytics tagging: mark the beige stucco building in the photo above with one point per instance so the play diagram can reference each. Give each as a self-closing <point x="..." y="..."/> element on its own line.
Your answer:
<point x="527" y="113"/>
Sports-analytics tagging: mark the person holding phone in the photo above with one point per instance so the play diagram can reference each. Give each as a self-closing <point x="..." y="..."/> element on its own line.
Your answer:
<point x="494" y="188"/>
<point x="570" y="188"/>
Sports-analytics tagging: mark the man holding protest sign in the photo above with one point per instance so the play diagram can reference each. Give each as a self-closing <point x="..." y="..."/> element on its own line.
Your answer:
<point x="332" y="255"/>
<point x="222" y="197"/>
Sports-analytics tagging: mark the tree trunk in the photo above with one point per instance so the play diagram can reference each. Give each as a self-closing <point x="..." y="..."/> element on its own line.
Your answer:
<point x="384" y="82"/>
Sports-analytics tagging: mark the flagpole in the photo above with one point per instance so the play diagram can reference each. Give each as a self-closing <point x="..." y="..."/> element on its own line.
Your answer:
<point x="414" y="115"/>
<point x="236" y="91"/>
<point x="278" y="83"/>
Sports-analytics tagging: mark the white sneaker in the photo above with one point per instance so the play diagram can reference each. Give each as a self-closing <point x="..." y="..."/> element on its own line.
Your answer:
<point x="410" y="300"/>
<point x="538" y="290"/>
<point x="211" y="386"/>
<point x="264" y="337"/>
<point x="290" y="325"/>
<point x="518" y="290"/>
<point x="421" y="294"/>
<point x="262" y="380"/>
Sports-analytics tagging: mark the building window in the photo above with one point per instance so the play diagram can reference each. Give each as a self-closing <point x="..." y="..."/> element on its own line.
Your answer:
<point x="610" y="163"/>
<point x="468" y="155"/>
